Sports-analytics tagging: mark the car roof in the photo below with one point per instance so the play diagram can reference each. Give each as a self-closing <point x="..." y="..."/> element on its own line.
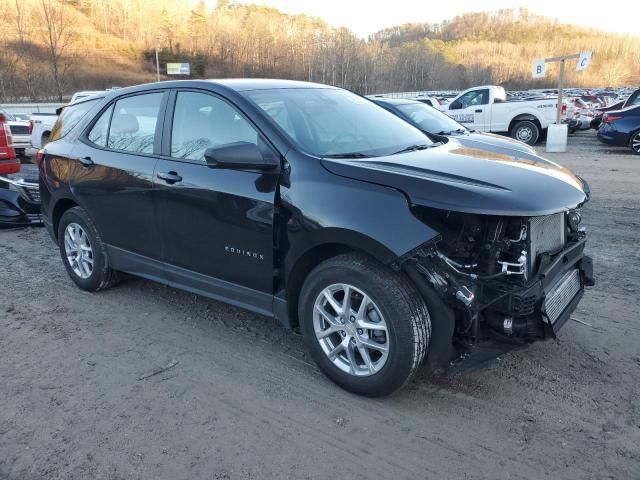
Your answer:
<point x="236" y="84"/>
<point x="395" y="101"/>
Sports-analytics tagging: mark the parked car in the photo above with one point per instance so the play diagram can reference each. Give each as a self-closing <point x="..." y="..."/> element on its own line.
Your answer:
<point x="622" y="128"/>
<point x="431" y="101"/>
<point x="19" y="132"/>
<point x="439" y="126"/>
<point x="315" y="206"/>
<point x="598" y="114"/>
<point x="486" y="109"/>
<point x="8" y="161"/>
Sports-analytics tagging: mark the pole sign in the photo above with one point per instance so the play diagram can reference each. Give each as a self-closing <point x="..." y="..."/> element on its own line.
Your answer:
<point x="583" y="61"/>
<point x="178" y="69"/>
<point x="539" y="68"/>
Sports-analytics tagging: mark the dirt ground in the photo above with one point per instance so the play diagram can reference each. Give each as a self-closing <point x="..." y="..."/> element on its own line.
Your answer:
<point x="244" y="400"/>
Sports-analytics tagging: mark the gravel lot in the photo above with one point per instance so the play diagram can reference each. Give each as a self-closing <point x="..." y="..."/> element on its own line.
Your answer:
<point x="245" y="401"/>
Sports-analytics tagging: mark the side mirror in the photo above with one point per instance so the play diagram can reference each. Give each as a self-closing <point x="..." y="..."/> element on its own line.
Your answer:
<point x="241" y="155"/>
<point x="455" y="105"/>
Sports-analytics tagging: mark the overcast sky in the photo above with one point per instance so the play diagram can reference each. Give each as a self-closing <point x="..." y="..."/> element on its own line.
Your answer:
<point x="367" y="16"/>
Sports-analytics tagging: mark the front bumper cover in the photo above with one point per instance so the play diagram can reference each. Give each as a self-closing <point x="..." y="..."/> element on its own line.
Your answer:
<point x="19" y="203"/>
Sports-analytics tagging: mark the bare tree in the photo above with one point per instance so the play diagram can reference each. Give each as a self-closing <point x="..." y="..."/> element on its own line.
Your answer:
<point x="58" y="35"/>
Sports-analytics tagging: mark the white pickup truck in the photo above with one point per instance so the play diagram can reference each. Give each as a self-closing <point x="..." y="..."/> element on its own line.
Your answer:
<point x="486" y="109"/>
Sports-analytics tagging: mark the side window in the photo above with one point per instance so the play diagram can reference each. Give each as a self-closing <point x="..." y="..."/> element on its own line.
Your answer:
<point x="70" y="117"/>
<point x="133" y="125"/>
<point x="202" y="121"/>
<point x="475" y="97"/>
<point x="98" y="133"/>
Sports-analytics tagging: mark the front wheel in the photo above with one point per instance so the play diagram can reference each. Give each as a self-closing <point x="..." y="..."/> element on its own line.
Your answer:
<point x="634" y="143"/>
<point x="366" y="326"/>
<point x="526" y="131"/>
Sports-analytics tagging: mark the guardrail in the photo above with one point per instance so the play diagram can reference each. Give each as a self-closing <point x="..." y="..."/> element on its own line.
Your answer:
<point x="29" y="108"/>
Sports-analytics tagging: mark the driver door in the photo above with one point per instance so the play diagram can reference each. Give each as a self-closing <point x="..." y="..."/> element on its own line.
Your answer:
<point x="474" y="110"/>
<point x="216" y="223"/>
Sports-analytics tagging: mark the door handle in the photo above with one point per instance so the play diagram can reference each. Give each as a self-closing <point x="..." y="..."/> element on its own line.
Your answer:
<point x="86" y="161"/>
<point x="169" y="177"/>
<point x="479" y="110"/>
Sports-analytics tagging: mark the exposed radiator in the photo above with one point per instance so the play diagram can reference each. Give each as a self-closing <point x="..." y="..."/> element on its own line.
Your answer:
<point x="546" y="234"/>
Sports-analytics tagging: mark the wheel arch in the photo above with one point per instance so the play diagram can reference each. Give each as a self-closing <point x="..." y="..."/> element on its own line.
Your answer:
<point x="525" y="116"/>
<point x="61" y="206"/>
<point x="327" y="244"/>
<point x="630" y="139"/>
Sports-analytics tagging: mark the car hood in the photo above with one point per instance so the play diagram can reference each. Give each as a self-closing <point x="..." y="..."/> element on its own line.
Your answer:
<point x="465" y="179"/>
<point x="495" y="143"/>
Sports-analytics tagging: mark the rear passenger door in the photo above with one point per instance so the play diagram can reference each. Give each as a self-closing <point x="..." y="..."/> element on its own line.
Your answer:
<point x="216" y="223"/>
<point x="115" y="163"/>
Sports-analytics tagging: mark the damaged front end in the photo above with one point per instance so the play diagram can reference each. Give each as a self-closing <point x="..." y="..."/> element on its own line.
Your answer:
<point x="495" y="283"/>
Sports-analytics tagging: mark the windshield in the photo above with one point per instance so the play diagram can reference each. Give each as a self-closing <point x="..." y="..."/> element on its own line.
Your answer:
<point x="430" y="120"/>
<point x="333" y="122"/>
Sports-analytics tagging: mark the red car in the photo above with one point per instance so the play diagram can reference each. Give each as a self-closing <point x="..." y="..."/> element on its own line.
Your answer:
<point x="8" y="161"/>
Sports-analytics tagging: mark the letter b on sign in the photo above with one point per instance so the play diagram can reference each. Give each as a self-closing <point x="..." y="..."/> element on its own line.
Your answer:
<point x="539" y="69"/>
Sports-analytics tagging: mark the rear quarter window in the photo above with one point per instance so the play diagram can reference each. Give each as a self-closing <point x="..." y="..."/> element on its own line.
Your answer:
<point x="70" y="117"/>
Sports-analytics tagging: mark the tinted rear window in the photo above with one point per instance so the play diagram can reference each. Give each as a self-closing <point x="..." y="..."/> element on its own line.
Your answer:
<point x="70" y="117"/>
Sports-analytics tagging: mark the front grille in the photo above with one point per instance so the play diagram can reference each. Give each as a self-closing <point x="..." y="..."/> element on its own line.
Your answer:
<point x="546" y="234"/>
<point x="33" y="194"/>
<point x="19" y="129"/>
<point x="562" y="294"/>
<point x="31" y="191"/>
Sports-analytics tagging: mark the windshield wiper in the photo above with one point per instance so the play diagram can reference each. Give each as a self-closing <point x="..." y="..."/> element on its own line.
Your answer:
<point x="412" y="148"/>
<point x="347" y="155"/>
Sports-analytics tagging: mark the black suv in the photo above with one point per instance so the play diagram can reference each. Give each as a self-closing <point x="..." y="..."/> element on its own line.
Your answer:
<point x="315" y="206"/>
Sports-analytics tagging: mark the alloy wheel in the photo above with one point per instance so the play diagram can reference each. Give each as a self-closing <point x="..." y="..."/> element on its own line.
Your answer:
<point x="635" y="143"/>
<point x="351" y="330"/>
<point x="78" y="250"/>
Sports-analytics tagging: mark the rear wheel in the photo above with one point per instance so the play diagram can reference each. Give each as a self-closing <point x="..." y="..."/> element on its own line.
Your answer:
<point x="634" y="143"/>
<point x="83" y="253"/>
<point x="525" y="131"/>
<point x="366" y="326"/>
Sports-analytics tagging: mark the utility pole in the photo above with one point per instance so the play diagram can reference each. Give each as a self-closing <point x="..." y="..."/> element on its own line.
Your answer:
<point x="157" y="60"/>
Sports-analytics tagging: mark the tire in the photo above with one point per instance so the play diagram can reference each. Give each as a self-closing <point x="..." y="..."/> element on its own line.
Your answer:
<point x="45" y="139"/>
<point x="101" y="274"/>
<point x="526" y="131"/>
<point x="393" y="304"/>
<point x="634" y="143"/>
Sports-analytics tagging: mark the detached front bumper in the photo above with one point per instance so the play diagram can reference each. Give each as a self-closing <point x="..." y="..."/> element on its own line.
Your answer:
<point x="19" y="203"/>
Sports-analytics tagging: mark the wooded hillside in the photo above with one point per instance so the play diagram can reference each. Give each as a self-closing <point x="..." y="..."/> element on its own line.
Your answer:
<point x="51" y="48"/>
